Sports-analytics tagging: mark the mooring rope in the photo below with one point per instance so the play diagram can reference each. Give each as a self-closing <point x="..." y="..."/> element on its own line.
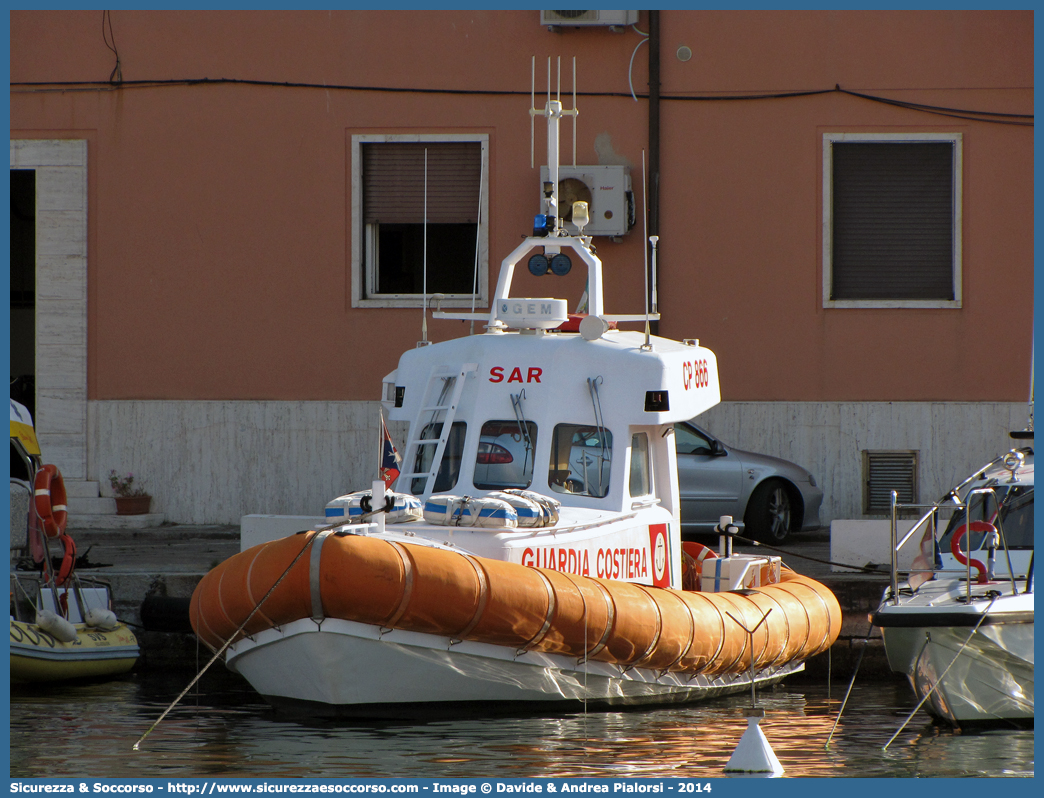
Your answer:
<point x="228" y="642"/>
<point x="851" y="684"/>
<point x="864" y="569"/>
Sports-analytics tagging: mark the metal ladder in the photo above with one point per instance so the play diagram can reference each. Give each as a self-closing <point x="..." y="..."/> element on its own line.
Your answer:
<point x="441" y="396"/>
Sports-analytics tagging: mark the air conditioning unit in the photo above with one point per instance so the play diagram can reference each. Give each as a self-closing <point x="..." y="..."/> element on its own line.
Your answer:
<point x="606" y="189"/>
<point x="577" y="19"/>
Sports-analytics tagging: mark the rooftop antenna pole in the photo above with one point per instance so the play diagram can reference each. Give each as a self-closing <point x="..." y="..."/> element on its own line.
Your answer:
<point x="532" y="108"/>
<point x="1033" y="346"/>
<point x="554" y="114"/>
<point x="645" y="222"/>
<point x="574" y="112"/>
<point x="655" y="302"/>
<point x="478" y="225"/>
<point x="424" y="258"/>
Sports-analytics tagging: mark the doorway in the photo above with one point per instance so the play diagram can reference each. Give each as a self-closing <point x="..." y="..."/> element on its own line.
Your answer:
<point x="49" y="310"/>
<point x="23" y="288"/>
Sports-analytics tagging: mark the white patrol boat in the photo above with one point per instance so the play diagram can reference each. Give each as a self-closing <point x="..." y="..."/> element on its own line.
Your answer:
<point x="532" y="553"/>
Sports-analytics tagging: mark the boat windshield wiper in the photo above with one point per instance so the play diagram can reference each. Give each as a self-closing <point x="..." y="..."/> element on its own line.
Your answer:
<point x="523" y="425"/>
<point x="596" y="403"/>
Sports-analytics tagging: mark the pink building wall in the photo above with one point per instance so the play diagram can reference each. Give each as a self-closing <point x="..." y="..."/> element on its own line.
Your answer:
<point x="219" y="226"/>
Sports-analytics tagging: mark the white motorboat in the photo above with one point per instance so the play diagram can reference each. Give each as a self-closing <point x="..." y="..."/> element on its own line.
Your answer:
<point x="961" y="626"/>
<point x="532" y="555"/>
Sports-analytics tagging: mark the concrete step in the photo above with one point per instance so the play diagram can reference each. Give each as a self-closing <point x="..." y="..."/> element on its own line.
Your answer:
<point x="82" y="489"/>
<point x="96" y="505"/>
<point x="113" y="521"/>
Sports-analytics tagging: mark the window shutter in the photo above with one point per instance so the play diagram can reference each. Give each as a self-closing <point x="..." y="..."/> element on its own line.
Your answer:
<point x="393" y="182"/>
<point x="885" y="471"/>
<point x="893" y="226"/>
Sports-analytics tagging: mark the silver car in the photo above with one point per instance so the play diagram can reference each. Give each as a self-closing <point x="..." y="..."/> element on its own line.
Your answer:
<point x="772" y="497"/>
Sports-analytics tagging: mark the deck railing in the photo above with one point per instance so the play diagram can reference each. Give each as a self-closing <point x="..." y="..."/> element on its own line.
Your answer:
<point x="929" y="521"/>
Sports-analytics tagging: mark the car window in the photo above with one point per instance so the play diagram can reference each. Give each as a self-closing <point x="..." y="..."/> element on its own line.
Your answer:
<point x="581" y="457"/>
<point x="639" y="480"/>
<point x="449" y="468"/>
<point x="505" y="455"/>
<point x="689" y="441"/>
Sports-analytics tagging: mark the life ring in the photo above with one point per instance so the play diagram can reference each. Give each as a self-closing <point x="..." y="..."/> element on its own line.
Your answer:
<point x="50" y="498"/>
<point x="955" y="546"/>
<point x="698" y="551"/>
<point x="693" y="555"/>
<point x="68" y="560"/>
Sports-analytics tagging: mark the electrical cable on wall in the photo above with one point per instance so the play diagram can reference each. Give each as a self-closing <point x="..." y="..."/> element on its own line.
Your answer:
<point x="992" y="117"/>
<point x="116" y="76"/>
<point x="630" y="66"/>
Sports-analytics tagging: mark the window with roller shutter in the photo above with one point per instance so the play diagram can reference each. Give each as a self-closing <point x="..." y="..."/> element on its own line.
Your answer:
<point x="891" y="227"/>
<point x="419" y="219"/>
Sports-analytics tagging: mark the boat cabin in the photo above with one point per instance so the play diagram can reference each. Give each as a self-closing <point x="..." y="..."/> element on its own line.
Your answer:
<point x="567" y="407"/>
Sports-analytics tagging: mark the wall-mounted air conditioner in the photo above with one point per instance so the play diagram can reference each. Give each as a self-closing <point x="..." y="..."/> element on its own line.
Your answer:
<point x="569" y="19"/>
<point x="606" y="189"/>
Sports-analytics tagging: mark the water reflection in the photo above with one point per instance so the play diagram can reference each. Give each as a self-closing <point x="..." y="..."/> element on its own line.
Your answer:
<point x="226" y="730"/>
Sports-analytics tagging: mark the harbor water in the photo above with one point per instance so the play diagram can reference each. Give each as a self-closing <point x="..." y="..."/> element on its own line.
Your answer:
<point x="224" y="729"/>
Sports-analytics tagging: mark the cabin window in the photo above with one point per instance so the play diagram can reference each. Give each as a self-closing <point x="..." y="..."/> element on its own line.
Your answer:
<point x="639" y="481"/>
<point x="581" y="456"/>
<point x="419" y="219"/>
<point x="892" y="220"/>
<point x="449" y="468"/>
<point x="505" y="455"/>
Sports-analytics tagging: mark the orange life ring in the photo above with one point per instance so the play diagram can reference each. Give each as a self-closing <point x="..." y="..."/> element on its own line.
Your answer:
<point x="955" y="546"/>
<point x="693" y="555"/>
<point x="698" y="551"/>
<point x="49" y="490"/>
<point x="68" y="560"/>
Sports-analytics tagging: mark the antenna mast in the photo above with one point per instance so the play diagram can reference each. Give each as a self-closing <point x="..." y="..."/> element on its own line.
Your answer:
<point x="424" y="260"/>
<point x="553" y="112"/>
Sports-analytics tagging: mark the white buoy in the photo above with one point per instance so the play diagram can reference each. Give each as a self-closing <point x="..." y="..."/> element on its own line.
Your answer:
<point x="753" y="754"/>
<point x="101" y="619"/>
<point x="56" y="626"/>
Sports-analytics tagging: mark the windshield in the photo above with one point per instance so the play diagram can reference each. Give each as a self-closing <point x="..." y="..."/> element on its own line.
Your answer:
<point x="1016" y="517"/>
<point x="581" y="456"/>
<point x="449" y="467"/>
<point x="505" y="455"/>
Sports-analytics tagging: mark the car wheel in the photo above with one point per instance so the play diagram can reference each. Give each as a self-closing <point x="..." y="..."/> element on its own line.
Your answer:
<point x="770" y="513"/>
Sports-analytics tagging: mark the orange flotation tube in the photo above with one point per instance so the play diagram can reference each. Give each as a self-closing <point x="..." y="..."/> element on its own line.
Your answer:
<point x="456" y="595"/>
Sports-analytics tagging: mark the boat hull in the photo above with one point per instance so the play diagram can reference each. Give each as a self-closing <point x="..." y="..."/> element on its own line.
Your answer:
<point x="990" y="682"/>
<point x="37" y="657"/>
<point x="971" y="663"/>
<point x="364" y="671"/>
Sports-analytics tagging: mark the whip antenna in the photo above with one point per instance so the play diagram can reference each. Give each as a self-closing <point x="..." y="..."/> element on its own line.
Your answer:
<point x="645" y="228"/>
<point x="424" y="259"/>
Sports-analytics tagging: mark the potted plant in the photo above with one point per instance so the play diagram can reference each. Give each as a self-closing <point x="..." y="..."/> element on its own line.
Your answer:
<point x="131" y="498"/>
